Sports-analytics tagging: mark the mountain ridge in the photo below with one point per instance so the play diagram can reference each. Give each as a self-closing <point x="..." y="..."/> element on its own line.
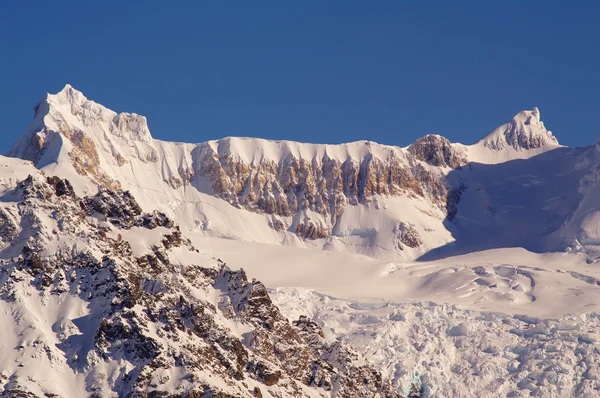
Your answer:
<point x="70" y="95"/>
<point x="360" y="196"/>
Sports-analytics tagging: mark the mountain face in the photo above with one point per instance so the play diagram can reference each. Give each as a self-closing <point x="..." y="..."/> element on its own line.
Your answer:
<point x="103" y="293"/>
<point x="101" y="299"/>
<point x="354" y="197"/>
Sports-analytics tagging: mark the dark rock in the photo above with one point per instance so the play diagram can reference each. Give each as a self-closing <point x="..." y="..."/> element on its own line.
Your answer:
<point x="407" y="234"/>
<point x="311" y="231"/>
<point x="264" y="373"/>
<point x="153" y="220"/>
<point x="61" y="187"/>
<point x="437" y="151"/>
<point x="452" y="201"/>
<point x="119" y="207"/>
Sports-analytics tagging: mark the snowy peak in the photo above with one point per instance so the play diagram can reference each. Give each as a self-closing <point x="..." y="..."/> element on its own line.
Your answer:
<point x="524" y="132"/>
<point x="73" y="136"/>
<point x="69" y="110"/>
<point x="67" y="96"/>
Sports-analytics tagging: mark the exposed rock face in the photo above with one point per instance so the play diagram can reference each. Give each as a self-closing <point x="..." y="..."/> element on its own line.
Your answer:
<point x="304" y="189"/>
<point x="325" y="186"/>
<point x="151" y="320"/>
<point x="407" y="235"/>
<point x="62" y="187"/>
<point x="118" y="207"/>
<point x="276" y="224"/>
<point x="284" y="182"/>
<point x="437" y="151"/>
<point x="311" y="231"/>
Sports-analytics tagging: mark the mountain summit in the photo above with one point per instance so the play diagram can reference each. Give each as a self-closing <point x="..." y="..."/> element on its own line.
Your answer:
<point x="524" y="131"/>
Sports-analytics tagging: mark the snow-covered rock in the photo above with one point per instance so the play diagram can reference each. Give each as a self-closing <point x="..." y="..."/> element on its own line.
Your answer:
<point x="524" y="131"/>
<point x="308" y="187"/>
<point x="92" y="305"/>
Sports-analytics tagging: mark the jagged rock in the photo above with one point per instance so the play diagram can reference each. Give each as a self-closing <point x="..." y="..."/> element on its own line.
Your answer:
<point x="61" y="187"/>
<point x="149" y="316"/>
<point x="276" y="224"/>
<point x="452" y="201"/>
<point x="153" y="220"/>
<point x="31" y="260"/>
<point x="524" y="131"/>
<point x="257" y="393"/>
<point x="263" y="373"/>
<point x="324" y="185"/>
<point x="437" y="151"/>
<point x="311" y="231"/>
<point x="8" y="227"/>
<point x="407" y="234"/>
<point x="119" y="207"/>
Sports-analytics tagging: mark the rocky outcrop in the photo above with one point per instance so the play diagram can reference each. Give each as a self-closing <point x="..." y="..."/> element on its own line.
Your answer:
<point x="311" y="231"/>
<point x="437" y="151"/>
<point x="407" y="235"/>
<point x="61" y="187"/>
<point x="452" y="201"/>
<point x="325" y="186"/>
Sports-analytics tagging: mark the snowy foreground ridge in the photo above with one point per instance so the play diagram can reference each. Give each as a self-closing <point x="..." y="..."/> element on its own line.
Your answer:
<point x="435" y="270"/>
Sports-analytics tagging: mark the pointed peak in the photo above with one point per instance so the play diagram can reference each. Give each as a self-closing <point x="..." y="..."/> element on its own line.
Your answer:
<point x="523" y="132"/>
<point x="66" y="87"/>
<point x="68" y="95"/>
<point x="529" y="117"/>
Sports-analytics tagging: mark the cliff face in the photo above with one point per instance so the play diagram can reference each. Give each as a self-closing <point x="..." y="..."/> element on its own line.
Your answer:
<point x="325" y="186"/>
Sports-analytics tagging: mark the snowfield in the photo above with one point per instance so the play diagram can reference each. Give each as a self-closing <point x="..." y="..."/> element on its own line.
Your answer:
<point x="434" y="270"/>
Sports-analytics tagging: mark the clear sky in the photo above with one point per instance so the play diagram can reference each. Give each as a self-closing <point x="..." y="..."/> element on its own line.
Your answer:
<point x="312" y="71"/>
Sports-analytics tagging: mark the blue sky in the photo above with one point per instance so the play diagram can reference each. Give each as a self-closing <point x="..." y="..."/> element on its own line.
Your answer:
<point x="310" y="71"/>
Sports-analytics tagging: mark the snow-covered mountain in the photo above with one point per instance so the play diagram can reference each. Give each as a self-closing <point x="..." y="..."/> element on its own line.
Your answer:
<point x="112" y="284"/>
<point x="100" y="299"/>
<point x="363" y="197"/>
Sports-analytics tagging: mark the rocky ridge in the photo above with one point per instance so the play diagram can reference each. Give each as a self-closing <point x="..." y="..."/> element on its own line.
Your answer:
<point x="139" y="324"/>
